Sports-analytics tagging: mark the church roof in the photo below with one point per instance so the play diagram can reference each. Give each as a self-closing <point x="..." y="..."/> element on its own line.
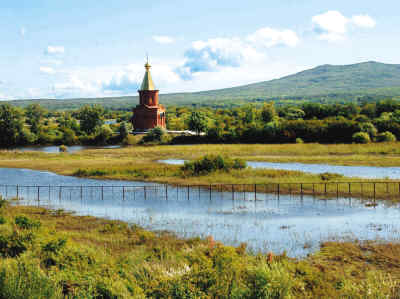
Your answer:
<point x="147" y="83"/>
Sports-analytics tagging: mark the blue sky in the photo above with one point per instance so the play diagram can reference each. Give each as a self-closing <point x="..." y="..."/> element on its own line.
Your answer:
<point x="66" y="49"/>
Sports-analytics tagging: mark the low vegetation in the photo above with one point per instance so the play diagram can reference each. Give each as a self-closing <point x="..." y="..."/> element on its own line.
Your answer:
<point x="59" y="255"/>
<point x="212" y="163"/>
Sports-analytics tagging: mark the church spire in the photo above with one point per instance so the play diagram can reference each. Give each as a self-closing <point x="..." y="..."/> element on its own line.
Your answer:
<point x="147" y="83"/>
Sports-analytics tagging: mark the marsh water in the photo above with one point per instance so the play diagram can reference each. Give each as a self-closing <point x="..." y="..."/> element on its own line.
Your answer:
<point x="293" y="224"/>
<point x="368" y="172"/>
<point x="53" y="149"/>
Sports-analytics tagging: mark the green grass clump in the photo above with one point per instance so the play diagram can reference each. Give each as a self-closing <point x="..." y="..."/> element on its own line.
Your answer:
<point x="90" y="172"/>
<point x="26" y="223"/>
<point x="212" y="163"/>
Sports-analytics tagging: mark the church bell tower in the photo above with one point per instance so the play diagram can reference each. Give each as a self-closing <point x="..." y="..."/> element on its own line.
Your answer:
<point x="149" y="113"/>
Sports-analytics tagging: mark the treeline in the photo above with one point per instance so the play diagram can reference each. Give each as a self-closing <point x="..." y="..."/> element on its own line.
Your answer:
<point x="309" y="122"/>
<point x="35" y="125"/>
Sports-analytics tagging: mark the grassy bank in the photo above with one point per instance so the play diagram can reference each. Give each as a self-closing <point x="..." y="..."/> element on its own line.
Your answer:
<point x="140" y="163"/>
<point x="52" y="254"/>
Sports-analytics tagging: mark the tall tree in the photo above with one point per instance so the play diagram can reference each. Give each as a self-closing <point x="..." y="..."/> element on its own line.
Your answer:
<point x="91" y="118"/>
<point x="34" y="114"/>
<point x="197" y="122"/>
<point x="10" y="125"/>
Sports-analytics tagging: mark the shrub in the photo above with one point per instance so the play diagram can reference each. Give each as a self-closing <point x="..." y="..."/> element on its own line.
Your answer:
<point x="15" y="244"/>
<point x="361" y="137"/>
<point x="129" y="140"/>
<point x="62" y="149"/>
<point x="386" y="137"/>
<point x="54" y="246"/>
<point x="299" y="140"/>
<point x="90" y="172"/>
<point x="154" y="135"/>
<point x="211" y="163"/>
<point x="327" y="176"/>
<point x="2" y="220"/>
<point x="26" y="223"/>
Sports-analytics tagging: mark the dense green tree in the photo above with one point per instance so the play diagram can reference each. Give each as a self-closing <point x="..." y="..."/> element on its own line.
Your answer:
<point x="34" y="114"/>
<point x="11" y="125"/>
<point x="123" y="130"/>
<point x="268" y="112"/>
<point x="91" y="118"/>
<point x="197" y="122"/>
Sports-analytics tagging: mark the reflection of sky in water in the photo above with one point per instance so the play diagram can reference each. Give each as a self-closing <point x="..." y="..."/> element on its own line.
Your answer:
<point x="290" y="223"/>
<point x="368" y="172"/>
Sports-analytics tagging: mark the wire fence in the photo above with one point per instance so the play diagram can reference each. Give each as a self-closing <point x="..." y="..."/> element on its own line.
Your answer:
<point x="374" y="190"/>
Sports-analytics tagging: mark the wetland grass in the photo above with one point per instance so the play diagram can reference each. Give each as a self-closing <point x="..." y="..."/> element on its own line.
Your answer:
<point x="69" y="256"/>
<point x="140" y="163"/>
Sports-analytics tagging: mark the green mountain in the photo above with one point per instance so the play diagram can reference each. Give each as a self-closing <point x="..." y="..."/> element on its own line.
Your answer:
<point x="326" y="83"/>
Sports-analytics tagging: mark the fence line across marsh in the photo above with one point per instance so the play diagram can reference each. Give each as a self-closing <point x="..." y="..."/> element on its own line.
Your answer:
<point x="376" y="189"/>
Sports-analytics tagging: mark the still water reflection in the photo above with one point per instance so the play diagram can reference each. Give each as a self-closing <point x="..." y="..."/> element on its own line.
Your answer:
<point x="293" y="224"/>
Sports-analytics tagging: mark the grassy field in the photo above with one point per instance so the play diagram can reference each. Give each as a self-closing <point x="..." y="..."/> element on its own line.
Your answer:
<point x="53" y="254"/>
<point x="140" y="163"/>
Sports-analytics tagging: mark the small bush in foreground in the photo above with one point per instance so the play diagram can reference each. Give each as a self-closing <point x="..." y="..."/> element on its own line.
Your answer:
<point x="26" y="223"/>
<point x="211" y="163"/>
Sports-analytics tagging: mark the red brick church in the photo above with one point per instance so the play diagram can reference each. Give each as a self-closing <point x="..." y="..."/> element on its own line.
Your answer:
<point x="149" y="113"/>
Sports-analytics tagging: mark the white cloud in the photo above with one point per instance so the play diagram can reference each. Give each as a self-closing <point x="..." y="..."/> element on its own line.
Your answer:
<point x="54" y="50"/>
<point x="163" y="39"/>
<point x="364" y="21"/>
<point x="22" y="31"/>
<point x="47" y="70"/>
<point x="216" y="53"/>
<point x="330" y="26"/>
<point x="269" y="37"/>
<point x="333" y="26"/>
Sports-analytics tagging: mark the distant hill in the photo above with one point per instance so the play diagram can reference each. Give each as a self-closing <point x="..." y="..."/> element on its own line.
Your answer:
<point x="326" y="83"/>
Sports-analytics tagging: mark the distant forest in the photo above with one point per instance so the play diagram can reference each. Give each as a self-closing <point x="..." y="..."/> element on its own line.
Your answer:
<point x="265" y="122"/>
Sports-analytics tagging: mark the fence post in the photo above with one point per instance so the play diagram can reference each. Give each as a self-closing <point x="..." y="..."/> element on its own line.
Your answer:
<point x="81" y="193"/>
<point x="325" y="188"/>
<point x="255" y="191"/>
<point x="337" y="190"/>
<point x="349" y="188"/>
<point x="233" y="191"/>
<point x="362" y="189"/>
<point x="102" y="192"/>
<point x="374" y="191"/>
<point x="279" y="190"/>
<point x="17" y="192"/>
<point x="123" y="192"/>
<point x="38" y="194"/>
<point x="6" y="191"/>
<point x="59" y="193"/>
<point x="313" y="189"/>
<point x="188" y="194"/>
<point x="144" y="191"/>
<point x="210" y="191"/>
<point x="166" y="191"/>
